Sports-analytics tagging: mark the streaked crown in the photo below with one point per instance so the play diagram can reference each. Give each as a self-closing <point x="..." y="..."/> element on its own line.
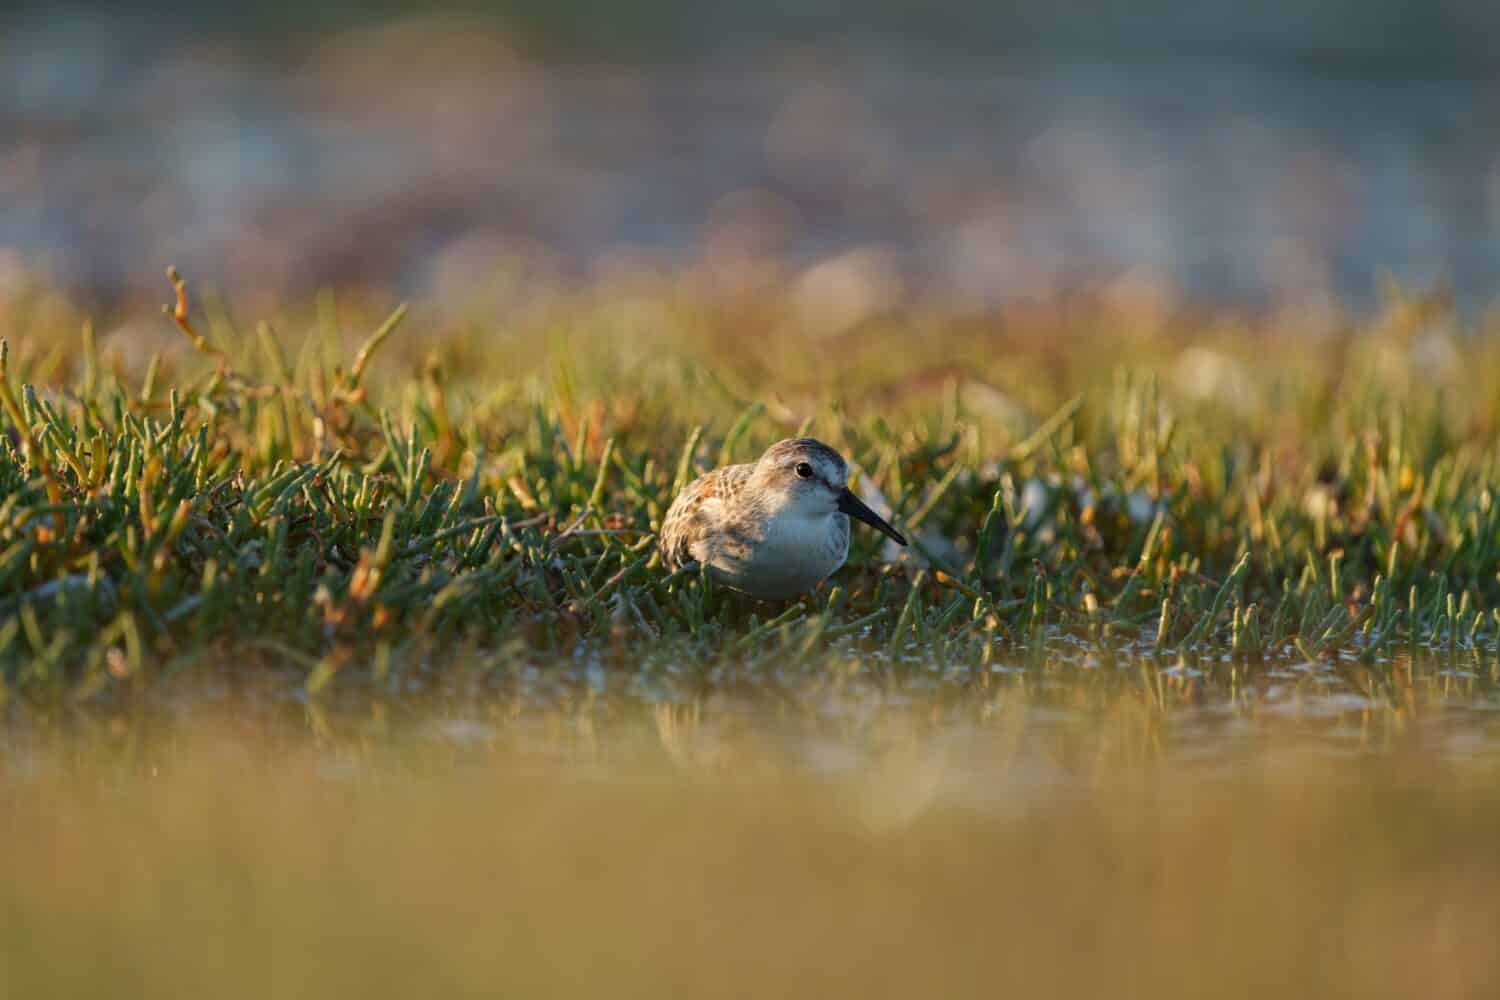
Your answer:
<point x="802" y="461"/>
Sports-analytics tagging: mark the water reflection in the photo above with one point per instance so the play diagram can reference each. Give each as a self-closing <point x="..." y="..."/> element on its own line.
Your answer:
<point x="1045" y="721"/>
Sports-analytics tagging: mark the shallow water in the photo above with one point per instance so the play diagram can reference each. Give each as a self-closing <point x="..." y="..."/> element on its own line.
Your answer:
<point x="874" y="841"/>
<point x="841" y="715"/>
<point x="1192" y="828"/>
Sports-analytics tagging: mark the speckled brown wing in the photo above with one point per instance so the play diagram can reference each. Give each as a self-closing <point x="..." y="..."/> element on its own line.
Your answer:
<point x="698" y="512"/>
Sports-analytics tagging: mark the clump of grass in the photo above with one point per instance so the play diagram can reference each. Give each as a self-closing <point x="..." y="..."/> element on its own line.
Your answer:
<point x="362" y="510"/>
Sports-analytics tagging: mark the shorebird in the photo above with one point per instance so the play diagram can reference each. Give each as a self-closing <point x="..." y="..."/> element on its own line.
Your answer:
<point x="772" y="529"/>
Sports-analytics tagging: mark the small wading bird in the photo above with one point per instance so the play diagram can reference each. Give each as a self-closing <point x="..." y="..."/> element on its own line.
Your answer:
<point x="773" y="529"/>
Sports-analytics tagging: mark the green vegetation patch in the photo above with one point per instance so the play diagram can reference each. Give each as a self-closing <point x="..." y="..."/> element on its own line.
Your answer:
<point x="377" y="502"/>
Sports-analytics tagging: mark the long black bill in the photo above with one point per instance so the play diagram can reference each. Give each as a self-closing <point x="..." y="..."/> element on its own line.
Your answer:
<point x="855" y="508"/>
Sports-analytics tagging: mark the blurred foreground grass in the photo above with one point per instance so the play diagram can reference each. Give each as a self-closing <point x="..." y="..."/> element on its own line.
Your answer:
<point x="211" y="864"/>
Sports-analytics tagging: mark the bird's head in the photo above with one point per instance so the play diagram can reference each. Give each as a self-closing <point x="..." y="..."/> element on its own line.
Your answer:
<point x="807" y="476"/>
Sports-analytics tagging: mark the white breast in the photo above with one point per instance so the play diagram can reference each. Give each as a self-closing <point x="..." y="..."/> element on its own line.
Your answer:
<point x="795" y="554"/>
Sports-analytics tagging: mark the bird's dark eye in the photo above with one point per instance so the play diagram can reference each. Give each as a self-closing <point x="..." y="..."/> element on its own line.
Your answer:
<point x="804" y="471"/>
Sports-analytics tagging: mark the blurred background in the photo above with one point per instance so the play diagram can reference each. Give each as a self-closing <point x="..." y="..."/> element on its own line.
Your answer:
<point x="1287" y="152"/>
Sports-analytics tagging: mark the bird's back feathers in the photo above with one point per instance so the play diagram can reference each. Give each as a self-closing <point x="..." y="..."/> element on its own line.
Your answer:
<point x="703" y="508"/>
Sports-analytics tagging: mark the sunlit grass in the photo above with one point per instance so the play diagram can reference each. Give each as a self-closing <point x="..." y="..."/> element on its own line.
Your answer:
<point x="369" y="508"/>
